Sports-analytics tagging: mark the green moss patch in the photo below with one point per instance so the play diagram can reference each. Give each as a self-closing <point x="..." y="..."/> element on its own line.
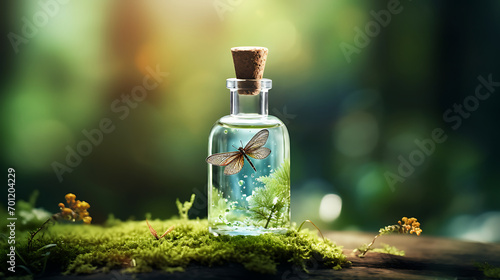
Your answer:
<point x="388" y="249"/>
<point x="130" y="246"/>
<point x="489" y="271"/>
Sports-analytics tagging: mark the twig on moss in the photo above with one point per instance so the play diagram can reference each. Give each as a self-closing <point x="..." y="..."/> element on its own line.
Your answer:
<point x="34" y="233"/>
<point x="309" y="221"/>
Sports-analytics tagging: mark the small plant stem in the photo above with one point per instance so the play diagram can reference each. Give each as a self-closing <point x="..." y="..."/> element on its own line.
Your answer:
<point x="270" y="215"/>
<point x="30" y="240"/>
<point x="309" y="221"/>
<point x="369" y="246"/>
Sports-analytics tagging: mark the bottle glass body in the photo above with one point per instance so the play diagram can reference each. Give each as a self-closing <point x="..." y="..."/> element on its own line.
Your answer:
<point x="250" y="202"/>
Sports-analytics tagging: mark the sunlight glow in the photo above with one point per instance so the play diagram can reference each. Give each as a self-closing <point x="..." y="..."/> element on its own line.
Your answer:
<point x="330" y="207"/>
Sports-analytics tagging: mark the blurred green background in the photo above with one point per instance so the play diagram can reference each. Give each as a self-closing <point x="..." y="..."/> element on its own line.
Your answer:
<point x="350" y="117"/>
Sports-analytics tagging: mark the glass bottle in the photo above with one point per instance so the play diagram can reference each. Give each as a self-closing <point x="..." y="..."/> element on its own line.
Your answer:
<point x="250" y="202"/>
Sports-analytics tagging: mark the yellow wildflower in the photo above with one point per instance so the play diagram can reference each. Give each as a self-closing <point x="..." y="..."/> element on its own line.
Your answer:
<point x="84" y="205"/>
<point x="70" y="198"/>
<point x="87" y="219"/>
<point x="75" y="211"/>
<point x="410" y="225"/>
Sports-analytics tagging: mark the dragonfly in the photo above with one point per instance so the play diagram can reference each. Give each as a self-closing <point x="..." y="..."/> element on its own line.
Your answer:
<point x="234" y="161"/>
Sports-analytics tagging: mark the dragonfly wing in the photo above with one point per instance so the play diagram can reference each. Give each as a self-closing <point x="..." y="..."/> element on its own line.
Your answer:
<point x="257" y="141"/>
<point x="223" y="159"/>
<point x="235" y="166"/>
<point x="259" y="153"/>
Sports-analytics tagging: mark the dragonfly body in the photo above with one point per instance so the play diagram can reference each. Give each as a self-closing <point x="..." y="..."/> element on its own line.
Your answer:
<point x="242" y="151"/>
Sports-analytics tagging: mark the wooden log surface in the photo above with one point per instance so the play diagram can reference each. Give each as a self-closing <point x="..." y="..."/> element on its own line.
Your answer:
<point x="426" y="258"/>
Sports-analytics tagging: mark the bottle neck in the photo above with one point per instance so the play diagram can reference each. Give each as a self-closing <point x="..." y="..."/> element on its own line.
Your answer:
<point x="242" y="105"/>
<point x="249" y="97"/>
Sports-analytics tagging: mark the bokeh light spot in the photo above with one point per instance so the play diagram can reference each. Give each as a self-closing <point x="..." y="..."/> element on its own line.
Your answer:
<point x="330" y="207"/>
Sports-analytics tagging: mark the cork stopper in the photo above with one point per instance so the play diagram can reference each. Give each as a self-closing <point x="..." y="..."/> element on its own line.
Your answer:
<point x="249" y="64"/>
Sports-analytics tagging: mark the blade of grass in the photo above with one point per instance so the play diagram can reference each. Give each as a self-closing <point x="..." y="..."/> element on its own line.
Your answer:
<point x="167" y="231"/>
<point x="309" y="221"/>
<point x="152" y="230"/>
